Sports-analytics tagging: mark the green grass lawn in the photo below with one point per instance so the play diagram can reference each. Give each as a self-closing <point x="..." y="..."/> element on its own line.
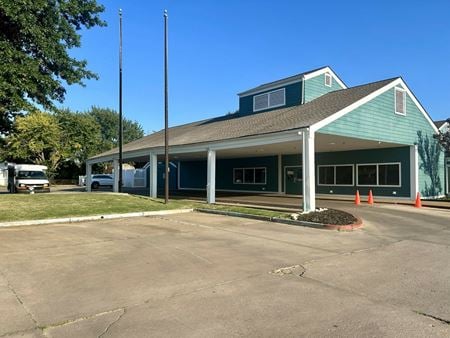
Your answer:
<point x="245" y="210"/>
<point x="18" y="207"/>
<point x="42" y="206"/>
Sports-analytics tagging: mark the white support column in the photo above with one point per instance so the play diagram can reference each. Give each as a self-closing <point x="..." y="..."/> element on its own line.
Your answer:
<point x="414" y="171"/>
<point x="116" y="175"/>
<point x="309" y="177"/>
<point x="211" y="177"/>
<point x="153" y="175"/>
<point x="88" y="178"/>
<point x="280" y="174"/>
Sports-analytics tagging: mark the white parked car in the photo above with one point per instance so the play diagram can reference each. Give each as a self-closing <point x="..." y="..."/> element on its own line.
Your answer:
<point x="102" y="180"/>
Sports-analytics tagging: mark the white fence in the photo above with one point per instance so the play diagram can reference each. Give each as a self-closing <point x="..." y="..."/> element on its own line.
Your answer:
<point x="132" y="178"/>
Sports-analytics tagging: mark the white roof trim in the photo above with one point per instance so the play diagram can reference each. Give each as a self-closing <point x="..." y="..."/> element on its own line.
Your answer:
<point x="323" y="71"/>
<point x="417" y="103"/>
<point x="369" y="97"/>
<point x="291" y="80"/>
<point x="444" y="125"/>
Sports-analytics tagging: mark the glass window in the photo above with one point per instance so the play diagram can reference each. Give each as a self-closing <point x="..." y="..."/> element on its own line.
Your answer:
<point x="238" y="175"/>
<point x="274" y="98"/>
<point x="389" y="174"/>
<point x="277" y="98"/>
<point x="367" y="174"/>
<point x="344" y="175"/>
<point x="249" y="175"/>
<point x="260" y="175"/>
<point x="260" y="102"/>
<point x="326" y="175"/>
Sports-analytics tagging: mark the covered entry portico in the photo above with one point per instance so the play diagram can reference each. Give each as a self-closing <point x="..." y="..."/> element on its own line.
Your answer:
<point x="291" y="162"/>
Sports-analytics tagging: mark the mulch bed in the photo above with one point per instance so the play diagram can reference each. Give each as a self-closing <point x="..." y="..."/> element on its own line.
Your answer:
<point x="329" y="216"/>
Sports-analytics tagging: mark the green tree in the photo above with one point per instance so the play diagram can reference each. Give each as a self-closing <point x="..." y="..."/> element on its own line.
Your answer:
<point x="37" y="139"/>
<point x="444" y="138"/>
<point x="35" y="39"/>
<point x="81" y="135"/>
<point x="108" y="119"/>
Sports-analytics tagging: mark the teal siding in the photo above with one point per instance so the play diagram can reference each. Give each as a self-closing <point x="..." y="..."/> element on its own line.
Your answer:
<point x="160" y="177"/>
<point x="425" y="181"/>
<point x="293" y="97"/>
<point x="386" y="155"/>
<point x="315" y="87"/>
<point x="376" y="120"/>
<point x="193" y="174"/>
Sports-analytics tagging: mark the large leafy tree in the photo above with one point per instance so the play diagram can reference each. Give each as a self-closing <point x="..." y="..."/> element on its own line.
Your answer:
<point x="81" y="135"/>
<point x="444" y="138"/>
<point x="37" y="139"/>
<point x="108" y="119"/>
<point x="35" y="65"/>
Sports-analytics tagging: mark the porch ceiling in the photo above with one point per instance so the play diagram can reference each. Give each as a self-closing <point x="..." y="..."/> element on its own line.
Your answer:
<point x="323" y="143"/>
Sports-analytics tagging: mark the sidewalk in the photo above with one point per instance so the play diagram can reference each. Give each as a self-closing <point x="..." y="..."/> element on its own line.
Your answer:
<point x="295" y="202"/>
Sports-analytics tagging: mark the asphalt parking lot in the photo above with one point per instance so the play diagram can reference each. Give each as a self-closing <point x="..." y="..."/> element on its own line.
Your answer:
<point x="207" y="275"/>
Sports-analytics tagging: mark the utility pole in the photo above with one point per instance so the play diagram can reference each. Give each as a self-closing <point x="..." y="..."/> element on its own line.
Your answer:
<point x="166" y="114"/>
<point x="120" y="103"/>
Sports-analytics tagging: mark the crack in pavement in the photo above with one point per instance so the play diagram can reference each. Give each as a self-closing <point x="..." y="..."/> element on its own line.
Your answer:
<point x="112" y="323"/>
<point x="444" y="321"/>
<point x="194" y="255"/>
<point x="79" y="319"/>
<point x="13" y="291"/>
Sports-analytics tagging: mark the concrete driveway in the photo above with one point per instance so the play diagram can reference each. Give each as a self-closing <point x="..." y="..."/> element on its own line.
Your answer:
<point x="206" y="275"/>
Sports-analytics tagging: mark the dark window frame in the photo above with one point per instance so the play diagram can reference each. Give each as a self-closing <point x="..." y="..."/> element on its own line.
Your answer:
<point x="399" y="164"/>
<point x="254" y="176"/>
<point x="334" y="175"/>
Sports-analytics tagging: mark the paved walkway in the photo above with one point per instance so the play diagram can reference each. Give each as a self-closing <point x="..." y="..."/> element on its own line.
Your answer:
<point x="295" y="202"/>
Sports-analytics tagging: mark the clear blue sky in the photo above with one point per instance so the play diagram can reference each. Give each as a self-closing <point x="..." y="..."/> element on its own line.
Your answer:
<point x="219" y="48"/>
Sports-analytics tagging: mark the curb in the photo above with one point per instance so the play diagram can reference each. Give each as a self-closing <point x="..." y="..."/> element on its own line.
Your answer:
<point x="344" y="227"/>
<point x="94" y="218"/>
<point x="443" y="206"/>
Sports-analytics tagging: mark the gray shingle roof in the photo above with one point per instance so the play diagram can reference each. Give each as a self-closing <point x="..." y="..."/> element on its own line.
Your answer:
<point x="238" y="125"/>
<point x="440" y="123"/>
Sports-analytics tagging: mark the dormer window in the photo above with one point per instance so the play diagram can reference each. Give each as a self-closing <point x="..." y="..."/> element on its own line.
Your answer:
<point x="276" y="98"/>
<point x="400" y="101"/>
<point x="328" y="80"/>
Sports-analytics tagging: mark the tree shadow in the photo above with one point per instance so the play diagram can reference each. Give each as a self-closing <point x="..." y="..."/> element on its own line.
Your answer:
<point x="430" y="153"/>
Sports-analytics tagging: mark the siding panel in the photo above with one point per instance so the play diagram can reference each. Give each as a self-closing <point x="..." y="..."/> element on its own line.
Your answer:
<point x="315" y="87"/>
<point x="376" y="120"/>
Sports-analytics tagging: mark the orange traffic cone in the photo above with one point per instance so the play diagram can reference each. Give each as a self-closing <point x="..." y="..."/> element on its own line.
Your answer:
<point x="370" y="199"/>
<point x="418" y="203"/>
<point x="357" y="199"/>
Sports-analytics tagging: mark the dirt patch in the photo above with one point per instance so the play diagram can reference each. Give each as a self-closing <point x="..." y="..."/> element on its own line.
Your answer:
<point x="330" y="216"/>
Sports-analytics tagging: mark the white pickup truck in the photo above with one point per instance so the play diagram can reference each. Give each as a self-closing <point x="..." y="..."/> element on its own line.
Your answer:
<point x="26" y="178"/>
